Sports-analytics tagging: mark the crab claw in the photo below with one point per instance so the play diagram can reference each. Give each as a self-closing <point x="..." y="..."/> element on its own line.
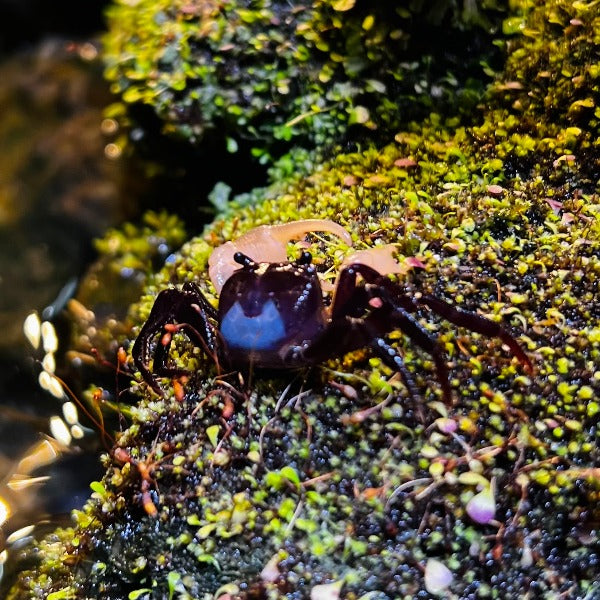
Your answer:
<point x="266" y="243"/>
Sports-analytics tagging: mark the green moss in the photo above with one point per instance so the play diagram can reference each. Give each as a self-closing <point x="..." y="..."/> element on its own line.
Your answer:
<point x="52" y="562"/>
<point x="377" y="479"/>
<point x="552" y="71"/>
<point x="280" y="74"/>
<point x="127" y="257"/>
<point x="549" y="85"/>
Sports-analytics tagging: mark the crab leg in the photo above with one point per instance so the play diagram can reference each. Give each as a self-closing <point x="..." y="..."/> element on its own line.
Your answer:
<point x="478" y="324"/>
<point x="191" y="311"/>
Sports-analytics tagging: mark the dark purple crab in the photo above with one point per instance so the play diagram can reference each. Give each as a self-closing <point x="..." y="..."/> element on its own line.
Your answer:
<point x="272" y="315"/>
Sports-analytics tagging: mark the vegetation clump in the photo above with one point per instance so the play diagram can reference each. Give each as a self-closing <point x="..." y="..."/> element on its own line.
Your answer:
<point x="273" y="74"/>
<point x="341" y="475"/>
<point x="127" y="257"/>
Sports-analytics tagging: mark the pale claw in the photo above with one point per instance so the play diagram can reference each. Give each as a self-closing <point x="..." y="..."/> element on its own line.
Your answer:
<point x="266" y="243"/>
<point x="381" y="258"/>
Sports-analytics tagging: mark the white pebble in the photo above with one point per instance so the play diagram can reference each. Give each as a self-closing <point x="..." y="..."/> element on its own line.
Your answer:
<point x="326" y="591"/>
<point x="526" y="556"/>
<point x="60" y="431"/>
<point x="270" y="572"/>
<point x="31" y="329"/>
<point x="49" y="339"/>
<point x="70" y="413"/>
<point x="437" y="576"/>
<point x="48" y="363"/>
<point x="77" y="432"/>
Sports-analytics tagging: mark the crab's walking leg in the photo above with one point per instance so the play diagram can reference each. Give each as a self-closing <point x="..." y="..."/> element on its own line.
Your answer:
<point x="189" y="309"/>
<point x="390" y="356"/>
<point x="380" y="295"/>
<point x="422" y="338"/>
<point x="479" y="324"/>
<point x="364" y="315"/>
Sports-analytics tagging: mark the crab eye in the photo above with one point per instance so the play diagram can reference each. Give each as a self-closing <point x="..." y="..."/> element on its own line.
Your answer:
<point x="243" y="259"/>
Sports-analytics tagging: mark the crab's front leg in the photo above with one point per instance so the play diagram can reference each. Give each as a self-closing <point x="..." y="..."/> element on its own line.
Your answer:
<point x="174" y="310"/>
<point x="391" y="310"/>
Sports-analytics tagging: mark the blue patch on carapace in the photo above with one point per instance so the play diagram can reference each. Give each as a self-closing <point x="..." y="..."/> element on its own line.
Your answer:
<point x="262" y="332"/>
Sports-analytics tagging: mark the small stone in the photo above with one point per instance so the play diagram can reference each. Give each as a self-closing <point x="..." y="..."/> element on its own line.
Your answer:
<point x="438" y="577"/>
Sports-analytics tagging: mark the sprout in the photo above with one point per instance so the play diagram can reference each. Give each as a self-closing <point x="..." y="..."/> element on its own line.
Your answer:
<point x="482" y="506"/>
<point x="326" y="591"/>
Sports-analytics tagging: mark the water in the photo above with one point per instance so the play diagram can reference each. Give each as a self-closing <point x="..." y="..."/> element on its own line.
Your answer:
<point x="58" y="190"/>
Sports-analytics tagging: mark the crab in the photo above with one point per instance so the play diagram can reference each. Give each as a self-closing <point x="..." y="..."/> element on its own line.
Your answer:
<point x="272" y="314"/>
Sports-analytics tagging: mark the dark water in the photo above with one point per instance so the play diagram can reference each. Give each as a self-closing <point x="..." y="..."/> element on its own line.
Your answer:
<point x="60" y="187"/>
<point x="26" y="22"/>
<point x="58" y="190"/>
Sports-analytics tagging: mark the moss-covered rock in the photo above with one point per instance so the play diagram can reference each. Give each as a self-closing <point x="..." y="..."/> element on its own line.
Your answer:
<point x="335" y="482"/>
<point x="273" y="73"/>
<point x="344" y="477"/>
